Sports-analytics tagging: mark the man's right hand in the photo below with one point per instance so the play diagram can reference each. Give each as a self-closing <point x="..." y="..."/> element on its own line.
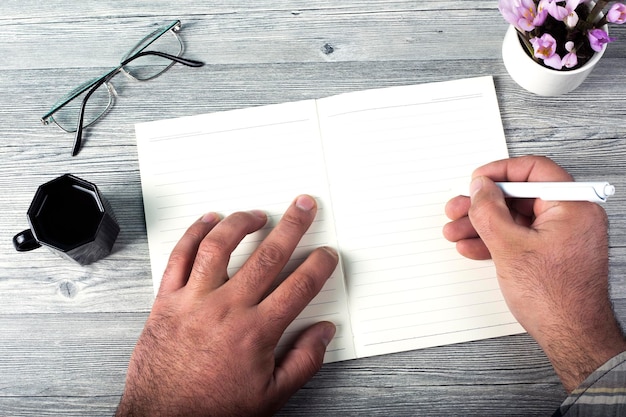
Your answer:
<point x="551" y="259"/>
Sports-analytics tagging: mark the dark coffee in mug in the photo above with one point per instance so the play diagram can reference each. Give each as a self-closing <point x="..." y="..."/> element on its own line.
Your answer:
<point x="69" y="216"/>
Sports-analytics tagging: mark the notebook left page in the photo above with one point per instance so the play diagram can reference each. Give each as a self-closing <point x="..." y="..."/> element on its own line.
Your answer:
<point x="255" y="158"/>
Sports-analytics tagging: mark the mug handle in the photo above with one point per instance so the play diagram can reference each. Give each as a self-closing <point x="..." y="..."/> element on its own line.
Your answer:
<point x="25" y="241"/>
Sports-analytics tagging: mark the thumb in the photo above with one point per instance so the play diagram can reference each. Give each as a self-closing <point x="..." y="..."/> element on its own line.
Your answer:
<point x="304" y="359"/>
<point x="490" y="216"/>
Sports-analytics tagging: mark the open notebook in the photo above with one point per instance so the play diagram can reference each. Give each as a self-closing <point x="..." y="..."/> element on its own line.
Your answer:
<point x="382" y="164"/>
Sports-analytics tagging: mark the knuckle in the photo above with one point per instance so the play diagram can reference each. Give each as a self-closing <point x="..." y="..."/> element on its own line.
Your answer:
<point x="296" y="221"/>
<point x="208" y="263"/>
<point x="211" y="249"/>
<point x="210" y="259"/>
<point x="299" y="288"/>
<point x="270" y="254"/>
<point x="304" y="286"/>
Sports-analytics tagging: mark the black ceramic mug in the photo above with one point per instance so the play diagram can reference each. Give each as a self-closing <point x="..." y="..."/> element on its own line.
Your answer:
<point x="69" y="216"/>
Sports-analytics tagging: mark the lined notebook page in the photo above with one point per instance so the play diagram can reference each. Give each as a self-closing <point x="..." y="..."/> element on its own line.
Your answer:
<point x="395" y="156"/>
<point x="257" y="158"/>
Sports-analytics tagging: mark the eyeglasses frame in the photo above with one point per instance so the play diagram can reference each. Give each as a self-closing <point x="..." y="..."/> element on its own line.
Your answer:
<point x="92" y="85"/>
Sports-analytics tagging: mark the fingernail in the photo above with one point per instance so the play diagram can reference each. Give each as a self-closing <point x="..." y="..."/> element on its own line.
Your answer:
<point x="305" y="202"/>
<point x="331" y="251"/>
<point x="328" y="334"/>
<point x="210" y="218"/>
<point x="475" y="186"/>
<point x="259" y="213"/>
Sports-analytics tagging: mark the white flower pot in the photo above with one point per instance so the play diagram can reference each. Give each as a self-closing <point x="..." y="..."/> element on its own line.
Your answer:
<point x="536" y="78"/>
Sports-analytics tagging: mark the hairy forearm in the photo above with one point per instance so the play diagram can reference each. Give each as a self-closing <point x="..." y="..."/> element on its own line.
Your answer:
<point x="581" y="344"/>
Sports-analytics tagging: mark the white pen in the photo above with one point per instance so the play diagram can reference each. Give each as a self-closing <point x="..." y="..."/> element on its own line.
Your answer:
<point x="596" y="192"/>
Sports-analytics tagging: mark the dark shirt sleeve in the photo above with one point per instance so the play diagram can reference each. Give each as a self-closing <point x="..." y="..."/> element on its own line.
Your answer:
<point x="603" y="393"/>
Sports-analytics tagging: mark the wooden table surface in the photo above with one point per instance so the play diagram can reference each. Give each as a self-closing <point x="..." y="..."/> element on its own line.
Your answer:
<point x="66" y="331"/>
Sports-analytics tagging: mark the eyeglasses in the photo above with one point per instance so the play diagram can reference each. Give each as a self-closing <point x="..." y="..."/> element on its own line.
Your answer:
<point x="87" y="103"/>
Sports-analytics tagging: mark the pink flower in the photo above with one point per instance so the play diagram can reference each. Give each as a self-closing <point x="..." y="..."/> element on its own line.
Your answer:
<point x="598" y="38"/>
<point x="522" y="14"/>
<point x="564" y="26"/>
<point x="617" y="13"/>
<point x="545" y="49"/>
<point x="570" y="59"/>
<point x="565" y="13"/>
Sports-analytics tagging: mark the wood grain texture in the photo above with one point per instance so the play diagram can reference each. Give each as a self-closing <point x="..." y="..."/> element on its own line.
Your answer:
<point x="66" y="332"/>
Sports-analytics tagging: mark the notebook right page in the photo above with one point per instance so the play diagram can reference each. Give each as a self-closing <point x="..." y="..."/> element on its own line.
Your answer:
<point x="395" y="156"/>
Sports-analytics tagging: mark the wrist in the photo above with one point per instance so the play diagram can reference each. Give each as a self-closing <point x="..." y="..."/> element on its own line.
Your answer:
<point x="575" y="353"/>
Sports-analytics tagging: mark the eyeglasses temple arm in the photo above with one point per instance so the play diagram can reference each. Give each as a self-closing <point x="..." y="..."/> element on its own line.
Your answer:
<point x="78" y="137"/>
<point x="79" y="129"/>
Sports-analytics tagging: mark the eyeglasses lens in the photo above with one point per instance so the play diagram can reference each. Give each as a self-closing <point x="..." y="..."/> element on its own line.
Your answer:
<point x="150" y="66"/>
<point x="98" y="104"/>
